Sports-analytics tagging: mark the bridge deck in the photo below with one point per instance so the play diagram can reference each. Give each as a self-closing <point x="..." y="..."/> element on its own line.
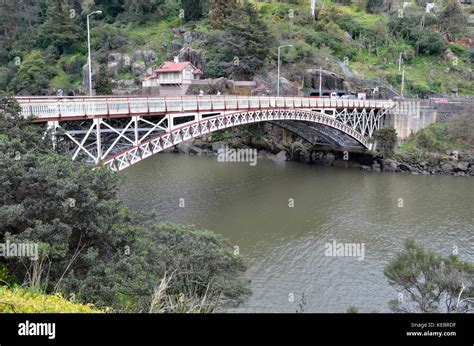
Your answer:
<point x="76" y="108"/>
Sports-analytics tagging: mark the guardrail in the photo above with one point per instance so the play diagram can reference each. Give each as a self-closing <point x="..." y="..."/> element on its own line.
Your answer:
<point x="73" y="107"/>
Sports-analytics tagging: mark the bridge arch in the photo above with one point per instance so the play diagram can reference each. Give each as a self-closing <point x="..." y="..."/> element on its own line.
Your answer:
<point x="198" y="128"/>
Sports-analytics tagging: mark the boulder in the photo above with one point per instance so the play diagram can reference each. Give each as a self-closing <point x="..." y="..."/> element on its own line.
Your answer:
<point x="85" y="73"/>
<point x="447" y="167"/>
<point x="376" y="167"/>
<point x="316" y="156"/>
<point x="138" y="68"/>
<point x="117" y="57"/>
<point x="216" y="146"/>
<point x="149" y="56"/>
<point x="220" y="84"/>
<point x="195" y="56"/>
<point x="389" y="165"/>
<point x="305" y="157"/>
<point x="195" y="150"/>
<point x="128" y="83"/>
<point x="448" y="54"/>
<point x="329" y="158"/>
<point x="184" y="147"/>
<point x="347" y="37"/>
<point x="229" y="84"/>
<point x="137" y="55"/>
<point x="175" y="32"/>
<point x="113" y="68"/>
<point x="270" y="80"/>
<point x="463" y="166"/>
<point x="176" y="45"/>
<point x="404" y="167"/>
<point x="127" y="61"/>
<point x="281" y="156"/>
<point x="188" y="37"/>
<point x="340" y="163"/>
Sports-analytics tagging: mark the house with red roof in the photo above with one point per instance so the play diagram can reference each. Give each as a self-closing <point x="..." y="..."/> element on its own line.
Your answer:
<point x="171" y="77"/>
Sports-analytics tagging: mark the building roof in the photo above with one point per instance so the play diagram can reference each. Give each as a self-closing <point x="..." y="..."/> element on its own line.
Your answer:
<point x="170" y="66"/>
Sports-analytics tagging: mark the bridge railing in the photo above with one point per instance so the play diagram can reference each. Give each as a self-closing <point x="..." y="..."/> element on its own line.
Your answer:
<point x="72" y="107"/>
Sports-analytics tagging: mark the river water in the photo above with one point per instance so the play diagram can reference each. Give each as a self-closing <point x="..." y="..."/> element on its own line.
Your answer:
<point x="282" y="215"/>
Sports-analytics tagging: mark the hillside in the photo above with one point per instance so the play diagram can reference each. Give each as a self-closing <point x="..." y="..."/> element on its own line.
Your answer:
<point x="45" y="47"/>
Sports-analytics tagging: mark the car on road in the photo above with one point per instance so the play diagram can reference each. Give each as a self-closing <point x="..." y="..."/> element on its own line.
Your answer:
<point x="349" y="96"/>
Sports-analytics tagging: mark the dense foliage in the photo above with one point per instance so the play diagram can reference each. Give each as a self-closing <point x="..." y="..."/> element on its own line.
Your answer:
<point x="237" y="40"/>
<point x="89" y="245"/>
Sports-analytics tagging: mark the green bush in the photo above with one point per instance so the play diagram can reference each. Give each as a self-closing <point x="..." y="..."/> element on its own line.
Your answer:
<point x="430" y="42"/>
<point x="18" y="300"/>
<point x="434" y="138"/>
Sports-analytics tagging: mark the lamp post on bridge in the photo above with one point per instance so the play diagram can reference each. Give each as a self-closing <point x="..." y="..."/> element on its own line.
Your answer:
<point x="278" y="82"/>
<point x="89" y="50"/>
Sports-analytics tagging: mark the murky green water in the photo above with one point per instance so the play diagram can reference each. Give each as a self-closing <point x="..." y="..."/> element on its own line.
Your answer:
<point x="284" y="246"/>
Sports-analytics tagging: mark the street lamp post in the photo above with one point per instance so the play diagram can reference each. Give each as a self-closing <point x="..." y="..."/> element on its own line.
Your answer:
<point x="403" y="82"/>
<point x="278" y="82"/>
<point x="89" y="50"/>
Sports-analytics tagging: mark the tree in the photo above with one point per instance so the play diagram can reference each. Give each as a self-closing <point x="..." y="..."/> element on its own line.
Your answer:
<point x="430" y="42"/>
<point x="103" y="86"/>
<point x="61" y="31"/>
<point x="241" y="50"/>
<point x="426" y="279"/>
<point x="385" y="139"/>
<point x="192" y="9"/>
<point x="452" y="19"/>
<point x="220" y="10"/>
<point x="33" y="75"/>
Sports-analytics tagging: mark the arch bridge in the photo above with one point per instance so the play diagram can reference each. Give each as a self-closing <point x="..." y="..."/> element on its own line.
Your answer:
<point x="121" y="131"/>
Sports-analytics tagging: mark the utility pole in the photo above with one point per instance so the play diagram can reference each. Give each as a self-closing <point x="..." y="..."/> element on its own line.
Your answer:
<point x="403" y="82"/>
<point x="320" y="81"/>
<point x="278" y="82"/>
<point x="400" y="60"/>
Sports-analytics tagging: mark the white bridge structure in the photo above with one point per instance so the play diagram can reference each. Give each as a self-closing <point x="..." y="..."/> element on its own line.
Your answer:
<point x="121" y="131"/>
